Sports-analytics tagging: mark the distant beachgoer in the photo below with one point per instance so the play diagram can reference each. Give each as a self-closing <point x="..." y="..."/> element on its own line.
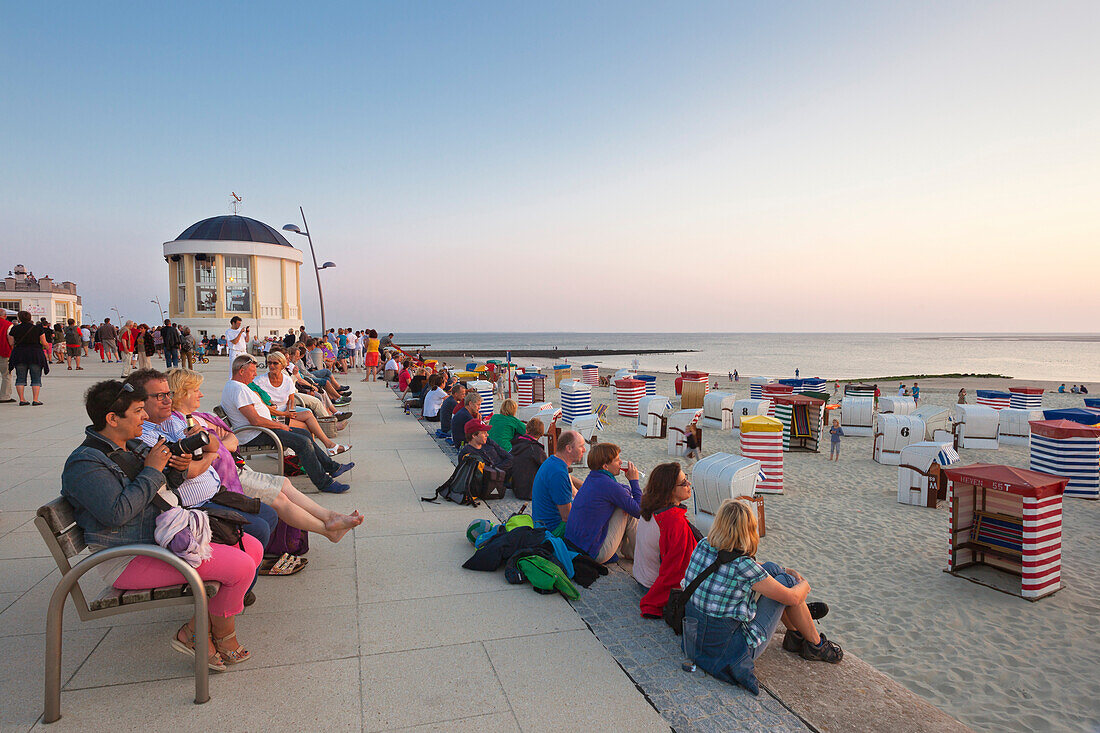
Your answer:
<point x="916" y="394"/>
<point x="1074" y="390"/>
<point x="836" y="387"/>
<point x="1062" y="389"/>
<point x="1084" y="389"/>
<point x="877" y="393"/>
<point x="736" y="376"/>
<point x="796" y="372"/>
<point x="901" y="390"/>
<point x="835" y="434"/>
<point x="693" y="450"/>
<point x="962" y="396"/>
<point x="731" y="376"/>
<point x="677" y="367"/>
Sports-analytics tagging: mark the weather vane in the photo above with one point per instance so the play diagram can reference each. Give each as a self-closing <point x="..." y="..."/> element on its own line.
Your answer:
<point x="235" y="202"/>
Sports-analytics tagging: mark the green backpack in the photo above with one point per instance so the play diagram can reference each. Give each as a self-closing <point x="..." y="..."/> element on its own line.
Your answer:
<point x="546" y="576"/>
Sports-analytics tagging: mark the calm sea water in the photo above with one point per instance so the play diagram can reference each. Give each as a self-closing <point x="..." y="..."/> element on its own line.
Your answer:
<point x="1056" y="357"/>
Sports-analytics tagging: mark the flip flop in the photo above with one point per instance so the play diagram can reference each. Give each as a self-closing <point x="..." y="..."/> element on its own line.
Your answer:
<point x="337" y="449"/>
<point x="287" y="564"/>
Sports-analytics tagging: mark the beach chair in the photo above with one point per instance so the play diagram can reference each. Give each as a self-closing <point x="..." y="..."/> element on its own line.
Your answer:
<point x="601" y="415"/>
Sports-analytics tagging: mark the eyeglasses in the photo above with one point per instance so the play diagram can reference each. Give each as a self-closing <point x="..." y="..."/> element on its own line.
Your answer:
<point x="162" y="396"/>
<point x="685" y="482"/>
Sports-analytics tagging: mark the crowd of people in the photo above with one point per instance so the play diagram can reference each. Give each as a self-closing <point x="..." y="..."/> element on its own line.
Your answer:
<point x="738" y="605"/>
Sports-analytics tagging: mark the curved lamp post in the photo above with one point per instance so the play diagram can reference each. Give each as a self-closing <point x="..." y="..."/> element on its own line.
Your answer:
<point x="163" y="315"/>
<point x="316" y="269"/>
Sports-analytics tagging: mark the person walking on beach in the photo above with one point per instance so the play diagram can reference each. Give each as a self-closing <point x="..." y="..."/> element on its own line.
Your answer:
<point x="108" y="336"/>
<point x="692" y="443"/>
<point x="736" y="376"/>
<point x="836" y="386"/>
<point x="962" y="396"/>
<point x="901" y="390"/>
<point x="916" y="394"/>
<point x="796" y="372"/>
<point x="835" y="434"/>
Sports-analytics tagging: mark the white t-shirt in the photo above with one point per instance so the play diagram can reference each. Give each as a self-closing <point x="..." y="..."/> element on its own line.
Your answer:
<point x="433" y="400"/>
<point x="232" y="333"/>
<point x="391" y="365"/>
<point x="647" y="552"/>
<point x="235" y="396"/>
<point x="279" y="395"/>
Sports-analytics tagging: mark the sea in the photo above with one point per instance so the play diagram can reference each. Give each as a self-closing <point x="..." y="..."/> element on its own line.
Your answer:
<point x="1070" y="358"/>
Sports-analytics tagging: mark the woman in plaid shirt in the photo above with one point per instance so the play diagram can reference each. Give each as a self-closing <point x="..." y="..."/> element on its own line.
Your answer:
<point x="733" y="625"/>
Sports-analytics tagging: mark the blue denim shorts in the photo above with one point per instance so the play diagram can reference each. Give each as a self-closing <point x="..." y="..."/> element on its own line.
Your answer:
<point x="34" y="370"/>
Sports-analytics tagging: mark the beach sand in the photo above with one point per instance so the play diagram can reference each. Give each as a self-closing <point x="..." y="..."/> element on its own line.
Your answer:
<point x="994" y="661"/>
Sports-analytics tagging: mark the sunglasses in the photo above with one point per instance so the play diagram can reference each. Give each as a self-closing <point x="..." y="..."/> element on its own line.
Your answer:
<point x="685" y="482"/>
<point x="126" y="387"/>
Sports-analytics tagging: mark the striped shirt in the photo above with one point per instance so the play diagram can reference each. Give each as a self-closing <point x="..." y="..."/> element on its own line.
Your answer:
<point x="192" y="491"/>
<point x="727" y="592"/>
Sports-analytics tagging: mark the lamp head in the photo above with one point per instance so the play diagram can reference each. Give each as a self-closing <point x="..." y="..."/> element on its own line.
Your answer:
<point x="292" y="228"/>
<point x="326" y="265"/>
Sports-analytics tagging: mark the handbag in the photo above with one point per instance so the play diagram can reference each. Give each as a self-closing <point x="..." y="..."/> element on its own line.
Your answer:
<point x="236" y="501"/>
<point x="677" y="599"/>
<point x="226" y="526"/>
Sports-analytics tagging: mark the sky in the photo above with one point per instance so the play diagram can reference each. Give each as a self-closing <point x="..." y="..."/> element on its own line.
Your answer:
<point x="566" y="166"/>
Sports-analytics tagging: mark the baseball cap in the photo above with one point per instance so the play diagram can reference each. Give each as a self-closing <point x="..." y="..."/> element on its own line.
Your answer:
<point x="475" y="426"/>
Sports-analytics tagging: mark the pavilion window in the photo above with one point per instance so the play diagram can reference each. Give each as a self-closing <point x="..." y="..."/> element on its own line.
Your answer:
<point x="238" y="285"/>
<point x="206" y="286"/>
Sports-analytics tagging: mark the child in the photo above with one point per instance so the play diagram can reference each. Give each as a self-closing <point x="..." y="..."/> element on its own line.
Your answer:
<point x="692" y="446"/>
<point x="835" y="434"/>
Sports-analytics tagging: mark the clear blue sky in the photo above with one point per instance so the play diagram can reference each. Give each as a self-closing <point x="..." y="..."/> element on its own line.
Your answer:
<point x="796" y="166"/>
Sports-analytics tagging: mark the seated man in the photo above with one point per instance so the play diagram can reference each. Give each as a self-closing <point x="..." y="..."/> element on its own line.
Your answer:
<point x="244" y="407"/>
<point x="553" y="488"/>
<point x="201" y="481"/>
<point x="390" y="375"/>
<point x="447" y="410"/>
<point x="433" y="400"/>
<point x="470" y="407"/>
<point x="485" y="449"/>
<point x="320" y="378"/>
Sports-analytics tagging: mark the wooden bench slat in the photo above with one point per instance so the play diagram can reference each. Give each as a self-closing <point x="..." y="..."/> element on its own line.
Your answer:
<point x="109" y="598"/>
<point x="71" y="541"/>
<point x="129" y="597"/>
<point x="58" y="514"/>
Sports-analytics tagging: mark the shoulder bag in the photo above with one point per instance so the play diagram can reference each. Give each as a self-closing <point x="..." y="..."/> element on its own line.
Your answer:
<point x="677" y="599"/>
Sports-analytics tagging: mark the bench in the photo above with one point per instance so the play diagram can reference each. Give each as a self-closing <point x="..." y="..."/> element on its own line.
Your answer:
<point x="65" y="539"/>
<point x="247" y="451"/>
<point x="996" y="534"/>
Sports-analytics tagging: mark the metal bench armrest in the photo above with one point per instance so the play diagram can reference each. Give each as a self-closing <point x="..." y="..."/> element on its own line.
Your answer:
<point x="274" y="436"/>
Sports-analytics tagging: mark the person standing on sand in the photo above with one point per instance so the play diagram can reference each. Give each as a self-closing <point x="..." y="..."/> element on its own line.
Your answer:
<point x="962" y="396"/>
<point x="836" y="386"/>
<point x="916" y="394"/>
<point x="736" y="376"/>
<point x="796" y="372"/>
<point x="835" y="434"/>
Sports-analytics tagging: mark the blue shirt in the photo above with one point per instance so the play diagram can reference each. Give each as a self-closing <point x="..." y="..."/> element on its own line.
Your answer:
<point x="550" y="489"/>
<point x="597" y="499"/>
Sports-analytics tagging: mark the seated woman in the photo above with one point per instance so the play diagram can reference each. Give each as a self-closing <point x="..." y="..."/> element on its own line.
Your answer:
<point x="292" y="506"/>
<point x="280" y="391"/>
<point x="733" y="626"/>
<point x="504" y="426"/>
<point x="605" y="513"/>
<point x="434" y="398"/>
<point x="665" y="539"/>
<point x="116" y="507"/>
<point x="527" y="455"/>
<point x="478" y="444"/>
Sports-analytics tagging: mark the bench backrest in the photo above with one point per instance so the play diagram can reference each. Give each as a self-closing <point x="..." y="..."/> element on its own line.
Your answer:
<point x="1001" y="532"/>
<point x="56" y="523"/>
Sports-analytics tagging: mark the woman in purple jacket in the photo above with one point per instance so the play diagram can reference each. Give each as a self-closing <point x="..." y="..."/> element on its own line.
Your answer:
<point x="605" y="513"/>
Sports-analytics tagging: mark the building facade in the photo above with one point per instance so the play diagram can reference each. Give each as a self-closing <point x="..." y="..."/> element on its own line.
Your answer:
<point x="229" y="266"/>
<point x="41" y="297"/>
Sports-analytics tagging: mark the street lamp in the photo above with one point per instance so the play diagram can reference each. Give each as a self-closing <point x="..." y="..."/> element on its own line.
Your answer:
<point x="119" y="316"/>
<point x="163" y="315"/>
<point x="316" y="269"/>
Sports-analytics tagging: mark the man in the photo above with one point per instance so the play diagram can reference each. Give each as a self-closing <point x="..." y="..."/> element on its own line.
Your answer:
<point x="479" y="444"/>
<point x="108" y="336"/>
<point x="244" y="407"/>
<point x="314" y="361"/>
<point x="553" y="489"/>
<point x="201" y="481"/>
<point x="471" y="407"/>
<point x="386" y="342"/>
<point x="5" y="354"/>
<point x="389" y="373"/>
<point x="170" y="337"/>
<point x="447" y="410"/>
<point x="289" y="339"/>
<point x="236" y="338"/>
<point x="86" y="337"/>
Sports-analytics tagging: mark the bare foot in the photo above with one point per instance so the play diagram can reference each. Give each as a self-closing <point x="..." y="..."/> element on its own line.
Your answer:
<point x="339" y="525"/>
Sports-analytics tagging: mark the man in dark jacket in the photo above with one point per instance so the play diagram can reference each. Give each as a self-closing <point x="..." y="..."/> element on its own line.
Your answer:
<point x="170" y="337"/>
<point x="447" y="409"/>
<point x="527" y="455"/>
<point x="458" y="422"/>
<point x="479" y="444"/>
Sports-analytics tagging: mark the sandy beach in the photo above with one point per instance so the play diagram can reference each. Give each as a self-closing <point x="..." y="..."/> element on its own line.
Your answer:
<point x="994" y="661"/>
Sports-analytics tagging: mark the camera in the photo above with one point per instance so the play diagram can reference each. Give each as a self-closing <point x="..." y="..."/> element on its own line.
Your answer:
<point x="189" y="444"/>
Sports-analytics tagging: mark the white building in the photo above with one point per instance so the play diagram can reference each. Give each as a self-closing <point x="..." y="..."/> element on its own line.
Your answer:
<point x="41" y="297"/>
<point x="229" y="266"/>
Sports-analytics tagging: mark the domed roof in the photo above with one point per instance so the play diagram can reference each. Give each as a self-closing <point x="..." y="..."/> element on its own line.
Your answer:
<point x="233" y="228"/>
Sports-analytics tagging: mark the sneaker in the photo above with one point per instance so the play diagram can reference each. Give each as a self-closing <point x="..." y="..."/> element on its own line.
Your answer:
<point x="793" y="641"/>
<point x="341" y="416"/>
<point x="249" y="598"/>
<point x="341" y="401"/>
<point x="826" y="651"/>
<point x="334" y="487"/>
<point x="345" y="390"/>
<point x="344" y="468"/>
<point x="818" y="610"/>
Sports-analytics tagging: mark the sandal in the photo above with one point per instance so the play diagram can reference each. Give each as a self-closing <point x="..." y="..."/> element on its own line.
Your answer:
<point x="286" y="565"/>
<point x="214" y="663"/>
<point x="337" y="449"/>
<point x="232" y="656"/>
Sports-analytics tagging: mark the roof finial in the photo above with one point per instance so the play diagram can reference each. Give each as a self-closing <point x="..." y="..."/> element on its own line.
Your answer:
<point x="235" y="202"/>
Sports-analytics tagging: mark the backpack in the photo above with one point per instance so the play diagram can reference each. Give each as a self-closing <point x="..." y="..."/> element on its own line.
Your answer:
<point x="546" y="576"/>
<point x="465" y="484"/>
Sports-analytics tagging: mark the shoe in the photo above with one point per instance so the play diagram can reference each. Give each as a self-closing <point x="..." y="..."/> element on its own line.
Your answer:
<point x="341" y="416"/>
<point x="340" y="402"/>
<point x="337" y="450"/>
<point x="249" y="598"/>
<point x="793" y="641"/>
<point x="818" y="610"/>
<point x="344" y="468"/>
<point x="345" y="390"/>
<point x="334" y="487"/>
<point x="826" y="651"/>
<point x="4" y="402"/>
<point x="214" y="663"/>
<point x="23" y="404"/>
<point x="232" y="656"/>
<point x="35" y="404"/>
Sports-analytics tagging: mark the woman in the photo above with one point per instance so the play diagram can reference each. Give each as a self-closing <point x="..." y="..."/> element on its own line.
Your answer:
<point x="433" y="400"/>
<point x="187" y="348"/>
<point x="73" y="344"/>
<point x="962" y="396"/>
<point x="57" y="352"/>
<point x="733" y="627"/>
<point x="114" y="509"/>
<point x="604" y="516"/>
<point x="146" y="347"/>
<point x="504" y="426"/>
<point x="665" y="539"/>
<point x="281" y="390"/>
<point x="292" y="506"/>
<point x="28" y="357"/>
<point x="371" y="356"/>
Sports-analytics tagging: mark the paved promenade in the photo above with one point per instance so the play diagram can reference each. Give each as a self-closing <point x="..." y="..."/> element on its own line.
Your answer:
<point x="382" y="631"/>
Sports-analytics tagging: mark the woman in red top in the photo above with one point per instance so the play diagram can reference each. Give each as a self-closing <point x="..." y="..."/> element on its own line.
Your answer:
<point x="664" y="540"/>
